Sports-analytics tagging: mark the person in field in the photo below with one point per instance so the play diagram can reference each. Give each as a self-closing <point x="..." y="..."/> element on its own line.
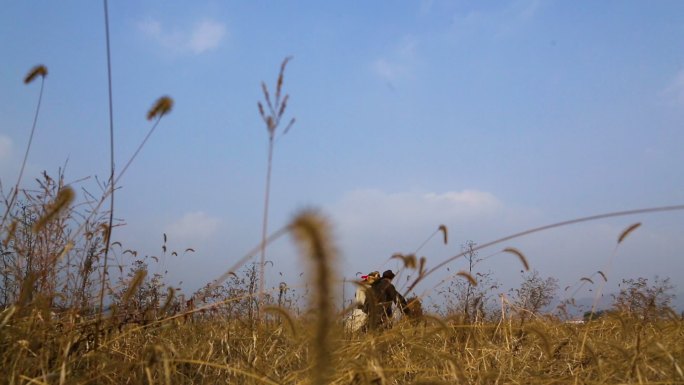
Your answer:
<point x="383" y="295"/>
<point x="359" y="317"/>
<point x="367" y="281"/>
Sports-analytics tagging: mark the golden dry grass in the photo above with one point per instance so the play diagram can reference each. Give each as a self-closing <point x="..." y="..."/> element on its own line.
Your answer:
<point x="43" y="344"/>
<point x="38" y="347"/>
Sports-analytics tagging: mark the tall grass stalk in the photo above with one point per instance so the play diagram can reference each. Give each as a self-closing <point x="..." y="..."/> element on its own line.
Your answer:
<point x="272" y="118"/>
<point x="39" y="70"/>
<point x="161" y="108"/>
<point x="602" y="285"/>
<point x="264" y="227"/>
<point x="442" y="229"/>
<point x="313" y="234"/>
<point x="108" y="235"/>
<point x="546" y="227"/>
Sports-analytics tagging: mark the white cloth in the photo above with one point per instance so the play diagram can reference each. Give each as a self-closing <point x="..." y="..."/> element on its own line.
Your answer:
<point x="358" y="318"/>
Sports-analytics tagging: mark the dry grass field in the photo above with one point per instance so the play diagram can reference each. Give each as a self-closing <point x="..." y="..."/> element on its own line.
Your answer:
<point x="66" y="319"/>
<point x="41" y="348"/>
<point x="52" y="333"/>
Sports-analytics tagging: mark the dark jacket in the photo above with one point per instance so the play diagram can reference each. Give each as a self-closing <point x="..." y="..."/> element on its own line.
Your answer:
<point x="379" y="306"/>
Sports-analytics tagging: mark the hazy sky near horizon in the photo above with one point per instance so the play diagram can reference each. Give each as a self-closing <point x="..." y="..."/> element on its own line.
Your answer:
<point x="487" y="117"/>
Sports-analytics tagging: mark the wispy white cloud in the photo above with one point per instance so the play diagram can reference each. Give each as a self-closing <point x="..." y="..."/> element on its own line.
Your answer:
<point x="370" y="221"/>
<point x="5" y="147"/>
<point x="206" y="36"/>
<point x="398" y="63"/>
<point x="394" y="205"/>
<point x="193" y="226"/>
<point x="203" y="36"/>
<point x="471" y="199"/>
<point x="151" y="28"/>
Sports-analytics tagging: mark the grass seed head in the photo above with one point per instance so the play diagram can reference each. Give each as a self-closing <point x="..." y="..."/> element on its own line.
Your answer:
<point x="162" y="107"/>
<point x="312" y="233"/>
<point x="135" y="284"/>
<point x="605" y="279"/>
<point x="64" y="198"/>
<point x="170" y="297"/>
<point x="39" y="70"/>
<point x="467" y="276"/>
<point x="285" y="315"/>
<point x="627" y="231"/>
<point x="408" y="260"/>
<point x="520" y="256"/>
<point x="444" y="231"/>
<point x="10" y="233"/>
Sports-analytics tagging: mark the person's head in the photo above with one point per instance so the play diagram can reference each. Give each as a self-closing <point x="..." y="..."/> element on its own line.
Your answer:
<point x="371" y="277"/>
<point x="388" y="274"/>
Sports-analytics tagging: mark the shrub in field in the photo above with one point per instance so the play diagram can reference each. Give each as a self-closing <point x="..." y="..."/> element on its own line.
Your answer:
<point x="237" y="297"/>
<point x="644" y="299"/>
<point x="534" y="294"/>
<point x="41" y="256"/>
<point x="472" y="298"/>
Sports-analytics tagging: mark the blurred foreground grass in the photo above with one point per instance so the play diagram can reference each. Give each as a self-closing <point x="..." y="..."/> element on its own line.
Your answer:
<point x="40" y="347"/>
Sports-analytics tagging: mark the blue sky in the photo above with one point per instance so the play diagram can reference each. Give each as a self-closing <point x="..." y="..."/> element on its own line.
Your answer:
<point x="488" y="117"/>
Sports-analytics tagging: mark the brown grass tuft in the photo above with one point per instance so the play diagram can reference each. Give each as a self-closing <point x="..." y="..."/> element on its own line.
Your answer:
<point x="39" y="70"/>
<point x="627" y="231"/>
<point x="67" y="248"/>
<point x="27" y="289"/>
<point x="444" y="231"/>
<point x="520" y="256"/>
<point x="285" y="315"/>
<point x="6" y="315"/>
<point x="170" y="297"/>
<point x="10" y="233"/>
<point x="105" y="229"/>
<point x="605" y="279"/>
<point x="408" y="260"/>
<point x="546" y="344"/>
<point x="162" y="107"/>
<point x="312" y="233"/>
<point x="135" y="284"/>
<point x="442" y="326"/>
<point x="64" y="198"/>
<point x="467" y="276"/>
